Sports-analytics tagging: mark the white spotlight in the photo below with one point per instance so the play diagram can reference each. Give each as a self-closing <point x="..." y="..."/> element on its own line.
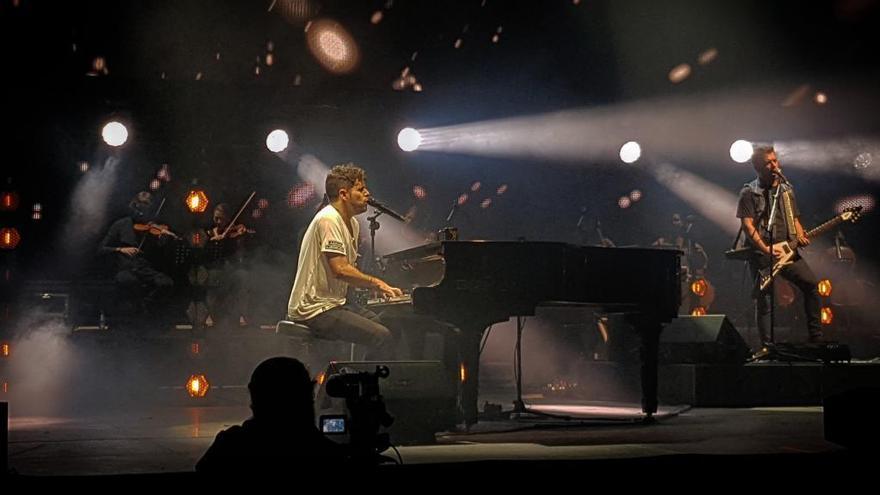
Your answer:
<point x="630" y="152"/>
<point x="277" y="141"/>
<point x="409" y="139"/>
<point x="741" y="151"/>
<point x="114" y="134"/>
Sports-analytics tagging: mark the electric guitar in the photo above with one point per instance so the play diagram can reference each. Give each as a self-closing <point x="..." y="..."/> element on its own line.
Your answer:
<point x="789" y="248"/>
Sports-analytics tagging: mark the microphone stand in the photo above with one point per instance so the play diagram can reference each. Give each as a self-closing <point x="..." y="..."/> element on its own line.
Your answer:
<point x="374" y="226"/>
<point x="774" y="209"/>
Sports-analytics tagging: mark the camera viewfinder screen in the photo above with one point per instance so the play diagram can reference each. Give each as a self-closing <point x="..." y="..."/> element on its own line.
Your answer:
<point x="333" y="425"/>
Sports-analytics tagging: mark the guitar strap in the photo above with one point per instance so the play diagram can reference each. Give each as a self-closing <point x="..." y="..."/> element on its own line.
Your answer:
<point x="789" y="214"/>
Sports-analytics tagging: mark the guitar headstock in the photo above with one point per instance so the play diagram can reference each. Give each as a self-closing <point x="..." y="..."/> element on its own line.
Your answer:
<point x="851" y="214"/>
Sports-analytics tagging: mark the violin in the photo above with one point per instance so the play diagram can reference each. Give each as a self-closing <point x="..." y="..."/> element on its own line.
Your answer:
<point x="232" y="232"/>
<point x="155" y="229"/>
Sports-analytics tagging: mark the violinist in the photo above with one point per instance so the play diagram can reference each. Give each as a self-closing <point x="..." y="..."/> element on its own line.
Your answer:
<point x="135" y="275"/>
<point x="227" y="290"/>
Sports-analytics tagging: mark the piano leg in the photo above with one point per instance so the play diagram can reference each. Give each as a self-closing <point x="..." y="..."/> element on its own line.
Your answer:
<point x="649" y="331"/>
<point x="470" y="374"/>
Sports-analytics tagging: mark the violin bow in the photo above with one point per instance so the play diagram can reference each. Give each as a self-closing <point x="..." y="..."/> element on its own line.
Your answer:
<point x="240" y="210"/>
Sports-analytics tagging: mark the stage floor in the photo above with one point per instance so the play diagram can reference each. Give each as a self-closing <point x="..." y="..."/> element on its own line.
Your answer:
<point x="171" y="439"/>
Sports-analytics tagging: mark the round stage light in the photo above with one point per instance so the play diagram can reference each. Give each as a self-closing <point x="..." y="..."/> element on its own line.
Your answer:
<point x="630" y="152"/>
<point x="197" y="201"/>
<point x="197" y="386"/>
<point x="277" y="141"/>
<point x="332" y="46"/>
<point x="741" y="151"/>
<point x="114" y="134"/>
<point x="826" y="316"/>
<point x="824" y="287"/>
<point x="409" y="139"/>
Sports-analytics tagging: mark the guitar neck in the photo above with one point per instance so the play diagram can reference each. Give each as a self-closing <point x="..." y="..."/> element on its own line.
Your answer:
<point x="823" y="228"/>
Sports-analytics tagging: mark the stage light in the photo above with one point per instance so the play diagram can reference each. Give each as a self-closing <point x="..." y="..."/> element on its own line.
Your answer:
<point x="195" y="348"/>
<point x="197" y="201"/>
<point x="630" y="152"/>
<point x="862" y="160"/>
<point x="262" y="203"/>
<point x="486" y="203"/>
<point x="462" y="199"/>
<point x="301" y="194"/>
<point x="197" y="386"/>
<point x="9" y="238"/>
<point x="866" y="201"/>
<point x="196" y="238"/>
<point x="476" y="186"/>
<point x="826" y="316"/>
<point x="114" y="133"/>
<point x="741" y="151"/>
<point x="462" y="372"/>
<point x="409" y="139"/>
<point x="624" y="202"/>
<point x="501" y="189"/>
<point x="824" y="287"/>
<point x="321" y="378"/>
<point x="698" y="311"/>
<point x="419" y="192"/>
<point x="296" y="11"/>
<point x="708" y="56"/>
<point x="679" y="73"/>
<point x="83" y="166"/>
<point x="820" y="98"/>
<point x="332" y="46"/>
<point x="4" y="349"/>
<point x="699" y="287"/>
<point x="155" y="184"/>
<point x="277" y="141"/>
<point x="635" y="195"/>
<point x="8" y="201"/>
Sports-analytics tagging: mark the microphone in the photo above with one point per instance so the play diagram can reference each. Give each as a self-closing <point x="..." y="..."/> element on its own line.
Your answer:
<point x="386" y="210"/>
<point x="778" y="173"/>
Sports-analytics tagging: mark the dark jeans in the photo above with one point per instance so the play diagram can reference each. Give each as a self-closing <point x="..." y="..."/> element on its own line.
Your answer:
<point x="801" y="276"/>
<point x="227" y="291"/>
<point x="352" y="323"/>
<point x="142" y="280"/>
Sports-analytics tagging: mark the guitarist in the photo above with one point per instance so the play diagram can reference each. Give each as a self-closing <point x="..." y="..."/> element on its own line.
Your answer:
<point x="753" y="210"/>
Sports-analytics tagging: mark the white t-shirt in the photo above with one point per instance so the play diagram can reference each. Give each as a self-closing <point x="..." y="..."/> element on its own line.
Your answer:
<point x="315" y="289"/>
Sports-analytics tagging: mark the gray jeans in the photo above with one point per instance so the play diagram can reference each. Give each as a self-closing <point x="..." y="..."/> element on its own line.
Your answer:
<point x="352" y="323"/>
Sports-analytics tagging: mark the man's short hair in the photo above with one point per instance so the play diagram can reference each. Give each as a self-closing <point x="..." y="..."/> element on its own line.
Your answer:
<point x="343" y="176"/>
<point x="143" y="198"/>
<point x="759" y="150"/>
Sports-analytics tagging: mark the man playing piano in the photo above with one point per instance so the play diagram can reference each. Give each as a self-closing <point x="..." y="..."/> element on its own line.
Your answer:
<point x="326" y="269"/>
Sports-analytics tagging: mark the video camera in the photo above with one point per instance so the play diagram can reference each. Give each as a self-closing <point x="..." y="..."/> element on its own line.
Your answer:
<point x="366" y="410"/>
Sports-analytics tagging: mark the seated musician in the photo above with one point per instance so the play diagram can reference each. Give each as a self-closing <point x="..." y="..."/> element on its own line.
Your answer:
<point x="227" y="292"/>
<point x="326" y="269"/>
<point x="134" y="273"/>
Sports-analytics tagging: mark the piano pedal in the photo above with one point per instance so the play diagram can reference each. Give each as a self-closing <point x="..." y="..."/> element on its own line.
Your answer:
<point x="492" y="412"/>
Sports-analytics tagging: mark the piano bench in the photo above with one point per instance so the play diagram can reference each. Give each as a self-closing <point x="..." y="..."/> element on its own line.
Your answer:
<point x="312" y="343"/>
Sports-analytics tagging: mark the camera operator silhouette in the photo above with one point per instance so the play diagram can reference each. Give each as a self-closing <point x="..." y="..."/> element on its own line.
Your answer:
<point x="281" y="437"/>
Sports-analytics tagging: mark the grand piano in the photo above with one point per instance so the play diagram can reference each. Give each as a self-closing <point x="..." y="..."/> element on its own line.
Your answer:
<point x="474" y="284"/>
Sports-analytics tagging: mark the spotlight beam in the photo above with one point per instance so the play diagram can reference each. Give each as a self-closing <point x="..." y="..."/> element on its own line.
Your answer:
<point x="712" y="201"/>
<point x="682" y="129"/>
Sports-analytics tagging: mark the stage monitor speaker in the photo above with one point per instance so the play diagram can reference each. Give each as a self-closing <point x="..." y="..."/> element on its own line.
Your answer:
<point x="850" y="418"/>
<point x="422" y="396"/>
<point x="709" y="339"/>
